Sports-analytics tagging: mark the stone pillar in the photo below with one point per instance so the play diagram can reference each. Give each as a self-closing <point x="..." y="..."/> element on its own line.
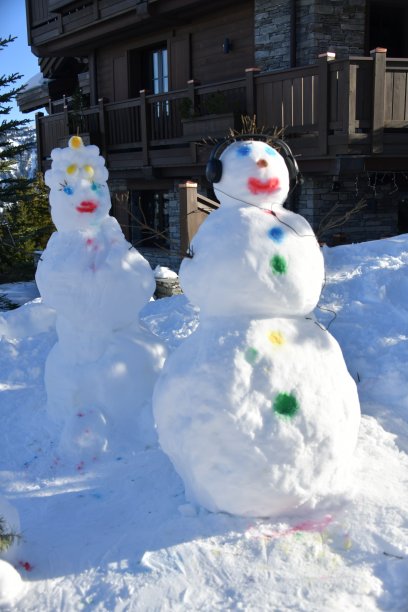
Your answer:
<point x="321" y="25"/>
<point x="272" y="34"/>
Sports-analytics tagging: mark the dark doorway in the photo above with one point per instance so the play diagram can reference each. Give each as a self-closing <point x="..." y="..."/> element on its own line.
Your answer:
<point x="388" y="27"/>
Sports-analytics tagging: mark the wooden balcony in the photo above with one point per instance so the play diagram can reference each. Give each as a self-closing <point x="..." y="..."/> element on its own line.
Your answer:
<point x="334" y="110"/>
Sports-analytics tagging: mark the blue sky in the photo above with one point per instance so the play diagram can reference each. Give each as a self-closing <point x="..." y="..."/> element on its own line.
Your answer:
<point x="17" y="57"/>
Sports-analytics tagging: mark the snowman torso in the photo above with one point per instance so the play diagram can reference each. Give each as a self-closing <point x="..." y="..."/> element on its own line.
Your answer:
<point x="256" y="409"/>
<point x="278" y="271"/>
<point x="84" y="275"/>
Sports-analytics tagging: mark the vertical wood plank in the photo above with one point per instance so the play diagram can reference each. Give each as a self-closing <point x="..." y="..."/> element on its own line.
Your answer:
<point x="287" y="103"/>
<point x="379" y="56"/>
<point x="189" y="217"/>
<point x="250" y="90"/>
<point x="144" y="122"/>
<point x="38" y="117"/>
<point x="102" y="126"/>
<point x="398" y="96"/>
<point x="298" y="104"/>
<point x="323" y="60"/>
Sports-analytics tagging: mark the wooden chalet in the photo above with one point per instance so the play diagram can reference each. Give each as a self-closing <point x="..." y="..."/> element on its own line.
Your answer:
<point x="149" y="80"/>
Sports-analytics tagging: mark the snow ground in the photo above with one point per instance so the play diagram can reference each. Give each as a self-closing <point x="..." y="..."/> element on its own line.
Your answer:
<point x="119" y="535"/>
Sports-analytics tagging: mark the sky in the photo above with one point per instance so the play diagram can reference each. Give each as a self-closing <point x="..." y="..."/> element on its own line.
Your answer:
<point x="17" y="56"/>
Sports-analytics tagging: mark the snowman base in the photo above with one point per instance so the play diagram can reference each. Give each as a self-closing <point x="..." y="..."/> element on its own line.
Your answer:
<point x="260" y="417"/>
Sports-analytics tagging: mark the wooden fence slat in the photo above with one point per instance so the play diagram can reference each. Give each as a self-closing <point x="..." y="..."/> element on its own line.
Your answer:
<point x="379" y="56"/>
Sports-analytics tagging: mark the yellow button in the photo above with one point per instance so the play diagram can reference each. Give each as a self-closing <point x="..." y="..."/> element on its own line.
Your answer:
<point x="72" y="169"/>
<point x="276" y="337"/>
<point x="89" y="170"/>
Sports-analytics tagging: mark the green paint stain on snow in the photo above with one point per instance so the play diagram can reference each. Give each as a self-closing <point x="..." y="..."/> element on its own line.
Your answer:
<point x="286" y="405"/>
<point x="278" y="264"/>
<point x="251" y="355"/>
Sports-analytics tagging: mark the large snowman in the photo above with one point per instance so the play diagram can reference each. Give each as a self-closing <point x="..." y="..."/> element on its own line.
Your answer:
<point x="256" y="409"/>
<point x="103" y="367"/>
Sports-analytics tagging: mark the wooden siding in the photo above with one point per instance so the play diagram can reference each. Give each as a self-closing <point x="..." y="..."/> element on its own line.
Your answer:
<point x="396" y="94"/>
<point x="210" y="63"/>
<point x="193" y="52"/>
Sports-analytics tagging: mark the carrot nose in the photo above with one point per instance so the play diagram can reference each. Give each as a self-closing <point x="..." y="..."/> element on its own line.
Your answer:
<point x="262" y="163"/>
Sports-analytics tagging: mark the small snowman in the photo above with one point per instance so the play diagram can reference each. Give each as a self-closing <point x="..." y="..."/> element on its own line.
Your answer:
<point x="256" y="409"/>
<point x="102" y="369"/>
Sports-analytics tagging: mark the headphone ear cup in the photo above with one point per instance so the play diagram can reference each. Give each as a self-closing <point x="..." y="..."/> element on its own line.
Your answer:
<point x="213" y="170"/>
<point x="293" y="172"/>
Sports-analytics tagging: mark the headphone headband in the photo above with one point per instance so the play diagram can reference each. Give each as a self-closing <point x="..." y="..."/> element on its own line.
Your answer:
<point x="214" y="165"/>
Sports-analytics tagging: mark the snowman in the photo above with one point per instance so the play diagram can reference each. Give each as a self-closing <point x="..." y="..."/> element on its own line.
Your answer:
<point x="102" y="369"/>
<point x="256" y="409"/>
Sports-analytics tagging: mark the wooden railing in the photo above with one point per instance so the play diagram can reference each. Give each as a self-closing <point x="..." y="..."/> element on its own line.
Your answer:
<point x="357" y="106"/>
<point x="194" y="209"/>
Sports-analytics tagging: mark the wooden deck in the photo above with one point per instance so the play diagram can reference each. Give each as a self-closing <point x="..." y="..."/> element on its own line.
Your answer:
<point x="356" y="106"/>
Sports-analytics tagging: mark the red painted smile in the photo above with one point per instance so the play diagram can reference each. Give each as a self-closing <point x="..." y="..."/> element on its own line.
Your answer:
<point x="257" y="186"/>
<point x="87" y="207"/>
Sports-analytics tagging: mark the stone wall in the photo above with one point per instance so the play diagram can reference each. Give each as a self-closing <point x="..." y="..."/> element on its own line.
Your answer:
<point x="378" y="219"/>
<point x="329" y="25"/>
<point x="321" y="25"/>
<point x="272" y="34"/>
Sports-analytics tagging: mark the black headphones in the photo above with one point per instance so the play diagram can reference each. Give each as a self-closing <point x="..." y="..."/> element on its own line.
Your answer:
<point x="213" y="170"/>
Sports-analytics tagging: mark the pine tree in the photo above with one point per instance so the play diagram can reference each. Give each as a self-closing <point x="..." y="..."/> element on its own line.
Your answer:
<point x="25" y="227"/>
<point x="9" y="128"/>
<point x="25" y="222"/>
<point x="7" y="536"/>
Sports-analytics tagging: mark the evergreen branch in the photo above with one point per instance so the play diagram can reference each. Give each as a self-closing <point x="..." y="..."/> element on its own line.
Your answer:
<point x="7" y="537"/>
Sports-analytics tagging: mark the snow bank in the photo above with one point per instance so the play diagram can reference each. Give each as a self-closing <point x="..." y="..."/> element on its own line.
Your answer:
<point x="119" y="534"/>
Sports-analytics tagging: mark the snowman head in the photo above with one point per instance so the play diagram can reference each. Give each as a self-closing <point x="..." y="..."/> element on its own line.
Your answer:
<point x="253" y="173"/>
<point x="79" y="195"/>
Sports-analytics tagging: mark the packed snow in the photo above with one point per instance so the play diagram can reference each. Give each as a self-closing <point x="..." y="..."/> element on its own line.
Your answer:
<point x="120" y="534"/>
<point x="257" y="410"/>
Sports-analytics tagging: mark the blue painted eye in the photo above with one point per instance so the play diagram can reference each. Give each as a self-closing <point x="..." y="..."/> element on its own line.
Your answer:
<point x="68" y="189"/>
<point x="94" y="187"/>
<point x="244" y="150"/>
<point x="270" y="150"/>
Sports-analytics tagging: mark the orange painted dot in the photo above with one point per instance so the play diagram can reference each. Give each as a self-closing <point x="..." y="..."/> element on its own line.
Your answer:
<point x="276" y="338"/>
<point x="75" y="142"/>
<point x="72" y="169"/>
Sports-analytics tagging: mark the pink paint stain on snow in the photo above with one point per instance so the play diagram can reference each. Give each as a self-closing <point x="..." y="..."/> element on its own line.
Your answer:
<point x="316" y="526"/>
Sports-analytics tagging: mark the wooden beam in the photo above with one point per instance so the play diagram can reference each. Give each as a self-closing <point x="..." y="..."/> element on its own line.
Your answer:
<point x="189" y="217"/>
<point x="323" y="61"/>
<point x="144" y="122"/>
<point x="379" y="56"/>
<point x="38" y="140"/>
<point x="251" y="90"/>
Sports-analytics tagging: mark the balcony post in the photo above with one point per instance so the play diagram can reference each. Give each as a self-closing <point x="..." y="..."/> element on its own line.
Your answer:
<point x="65" y="112"/>
<point x="144" y="127"/>
<point x="192" y="94"/>
<point x="38" y="117"/>
<point x="250" y="90"/>
<point x="102" y="126"/>
<point x="379" y="55"/>
<point x="323" y="106"/>
<point x="189" y="218"/>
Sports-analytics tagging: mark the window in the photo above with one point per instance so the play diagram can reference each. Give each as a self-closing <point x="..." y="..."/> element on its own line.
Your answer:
<point x="159" y="71"/>
<point x="149" y="219"/>
<point x="148" y="69"/>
